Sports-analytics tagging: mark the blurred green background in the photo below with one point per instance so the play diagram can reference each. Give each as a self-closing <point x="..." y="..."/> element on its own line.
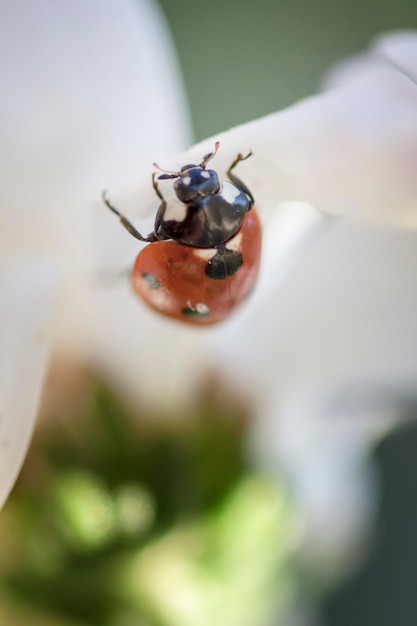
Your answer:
<point x="241" y="60"/>
<point x="127" y="519"/>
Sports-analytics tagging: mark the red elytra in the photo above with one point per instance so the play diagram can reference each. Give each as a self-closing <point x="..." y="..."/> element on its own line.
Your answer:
<point x="172" y="278"/>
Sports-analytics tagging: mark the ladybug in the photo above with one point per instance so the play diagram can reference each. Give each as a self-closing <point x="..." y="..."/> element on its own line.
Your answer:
<point x="205" y="249"/>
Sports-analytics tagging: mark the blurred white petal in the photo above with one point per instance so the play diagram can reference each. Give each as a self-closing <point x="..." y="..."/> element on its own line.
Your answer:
<point x="351" y="151"/>
<point x="395" y="50"/>
<point x="91" y="97"/>
<point x="27" y="293"/>
<point x="342" y="318"/>
<point x="322" y="444"/>
<point x="343" y="314"/>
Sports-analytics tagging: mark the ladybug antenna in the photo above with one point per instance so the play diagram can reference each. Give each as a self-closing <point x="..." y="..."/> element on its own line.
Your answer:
<point x="210" y="155"/>
<point x="168" y="173"/>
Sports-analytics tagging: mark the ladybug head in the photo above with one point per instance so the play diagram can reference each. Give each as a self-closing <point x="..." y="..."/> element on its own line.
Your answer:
<point x="195" y="181"/>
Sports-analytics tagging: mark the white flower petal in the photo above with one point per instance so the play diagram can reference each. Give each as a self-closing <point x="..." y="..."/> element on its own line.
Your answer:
<point x="392" y="51"/>
<point x="345" y="313"/>
<point x="334" y="484"/>
<point x="82" y="108"/>
<point x="27" y="292"/>
<point x="91" y="97"/>
<point x="351" y="151"/>
<point x="399" y="47"/>
<point x="342" y="320"/>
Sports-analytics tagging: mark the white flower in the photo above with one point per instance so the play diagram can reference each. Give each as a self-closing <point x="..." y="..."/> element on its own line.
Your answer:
<point x="86" y="108"/>
<point x="350" y="151"/>
<point x="26" y="303"/>
<point x="334" y="316"/>
<point x="83" y="106"/>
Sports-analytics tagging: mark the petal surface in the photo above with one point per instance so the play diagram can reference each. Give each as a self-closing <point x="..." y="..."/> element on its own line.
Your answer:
<point x="27" y="296"/>
<point x="92" y="96"/>
<point x="351" y="151"/>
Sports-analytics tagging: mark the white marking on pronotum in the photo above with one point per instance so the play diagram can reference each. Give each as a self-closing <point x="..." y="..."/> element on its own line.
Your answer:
<point x="205" y="174"/>
<point x="186" y="180"/>
<point x="230" y="192"/>
<point x="205" y="253"/>
<point x="175" y="211"/>
<point x="235" y="242"/>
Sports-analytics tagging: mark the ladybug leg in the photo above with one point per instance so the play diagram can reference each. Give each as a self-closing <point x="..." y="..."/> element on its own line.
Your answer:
<point x="128" y="225"/>
<point x="156" y="187"/>
<point x="159" y="218"/>
<point x="237" y="180"/>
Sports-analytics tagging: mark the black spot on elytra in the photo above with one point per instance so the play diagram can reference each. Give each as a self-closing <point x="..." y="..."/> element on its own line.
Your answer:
<point x="224" y="263"/>
<point x="151" y="280"/>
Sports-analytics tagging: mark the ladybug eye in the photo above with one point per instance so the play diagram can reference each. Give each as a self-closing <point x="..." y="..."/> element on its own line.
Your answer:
<point x="196" y="182"/>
